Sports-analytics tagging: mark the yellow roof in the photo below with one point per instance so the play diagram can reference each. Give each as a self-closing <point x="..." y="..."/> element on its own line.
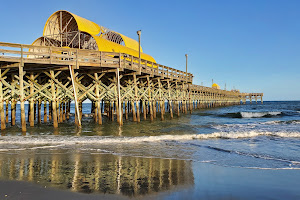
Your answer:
<point x="130" y="43"/>
<point x="215" y="86"/>
<point x="86" y="25"/>
<point x="131" y="46"/>
<point x="82" y="23"/>
<point x="106" y="45"/>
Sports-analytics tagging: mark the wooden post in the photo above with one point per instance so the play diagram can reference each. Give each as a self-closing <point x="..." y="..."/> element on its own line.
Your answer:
<point x="80" y="109"/>
<point x="98" y="100"/>
<point x="150" y="98"/>
<point x="144" y="109"/>
<point x="54" y="110"/>
<point x="94" y="110"/>
<point x="126" y="110"/>
<point x="136" y="98"/>
<point x="178" y="101"/>
<point x="22" y="97"/>
<point x="57" y="111"/>
<point x="6" y="110"/>
<point x="161" y="101"/>
<point x="154" y="108"/>
<point x="64" y="110"/>
<point x="111" y="109"/>
<point x="50" y="110"/>
<point x="39" y="111"/>
<point x="45" y="111"/>
<point x="13" y="112"/>
<point x="61" y="111"/>
<point x="75" y="94"/>
<point x="120" y="107"/>
<point x="35" y="108"/>
<point x="3" y="125"/>
<point x="13" y="102"/>
<point x="170" y="100"/>
<point x="68" y="109"/>
<point x="133" y="110"/>
<point x="32" y="113"/>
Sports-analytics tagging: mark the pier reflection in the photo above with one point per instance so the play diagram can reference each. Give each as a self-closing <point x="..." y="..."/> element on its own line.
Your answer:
<point x="98" y="173"/>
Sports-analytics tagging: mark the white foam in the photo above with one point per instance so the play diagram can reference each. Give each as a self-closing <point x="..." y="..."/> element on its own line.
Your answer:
<point x="258" y="114"/>
<point x="83" y="140"/>
<point x="270" y="168"/>
<point x="281" y="122"/>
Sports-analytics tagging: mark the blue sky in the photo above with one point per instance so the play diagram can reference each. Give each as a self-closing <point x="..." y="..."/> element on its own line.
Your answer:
<point x="252" y="45"/>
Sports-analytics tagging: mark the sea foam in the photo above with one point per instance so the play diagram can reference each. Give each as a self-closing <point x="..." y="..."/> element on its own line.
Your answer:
<point x="49" y="141"/>
<point x="259" y="114"/>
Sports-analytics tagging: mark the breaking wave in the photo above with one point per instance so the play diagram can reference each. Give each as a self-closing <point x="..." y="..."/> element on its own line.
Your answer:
<point x="282" y="122"/>
<point x="259" y="114"/>
<point x="252" y="114"/>
<point x="50" y="141"/>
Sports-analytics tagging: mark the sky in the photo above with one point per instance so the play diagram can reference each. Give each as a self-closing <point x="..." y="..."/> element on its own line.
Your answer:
<point x="250" y="45"/>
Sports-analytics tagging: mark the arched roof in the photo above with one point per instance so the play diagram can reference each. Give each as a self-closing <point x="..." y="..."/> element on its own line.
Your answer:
<point x="102" y="45"/>
<point x="79" y="23"/>
<point x="130" y="43"/>
<point x="83" y="24"/>
<point x="106" y="45"/>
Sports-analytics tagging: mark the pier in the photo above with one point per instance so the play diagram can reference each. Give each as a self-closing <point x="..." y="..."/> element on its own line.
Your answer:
<point x="76" y="60"/>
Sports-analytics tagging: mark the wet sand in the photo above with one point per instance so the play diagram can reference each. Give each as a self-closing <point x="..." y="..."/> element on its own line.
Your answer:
<point x="210" y="182"/>
<point x="20" y="190"/>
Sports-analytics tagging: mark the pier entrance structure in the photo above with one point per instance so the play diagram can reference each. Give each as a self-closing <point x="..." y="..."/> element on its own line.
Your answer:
<point x="76" y="59"/>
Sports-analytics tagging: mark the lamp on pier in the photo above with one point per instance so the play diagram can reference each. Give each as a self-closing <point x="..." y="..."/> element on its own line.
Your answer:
<point x="139" y="34"/>
<point x="186" y="65"/>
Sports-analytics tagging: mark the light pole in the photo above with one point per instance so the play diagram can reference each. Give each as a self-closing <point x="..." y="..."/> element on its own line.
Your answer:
<point x="186" y="65"/>
<point x="139" y="34"/>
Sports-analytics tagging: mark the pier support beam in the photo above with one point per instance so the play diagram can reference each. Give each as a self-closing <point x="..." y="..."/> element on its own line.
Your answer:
<point x="6" y="110"/>
<point x="71" y="68"/>
<point x="45" y="111"/>
<point x="13" y="101"/>
<point x="39" y="111"/>
<point x="120" y="105"/>
<point x="22" y="97"/>
<point x="137" y="102"/>
<point x="13" y="112"/>
<point x="150" y="98"/>
<point x="54" y="110"/>
<point x="31" y="116"/>
<point x="3" y="126"/>
<point x="170" y="100"/>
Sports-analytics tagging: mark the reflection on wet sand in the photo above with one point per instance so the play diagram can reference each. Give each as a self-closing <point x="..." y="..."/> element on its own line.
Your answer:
<point x="97" y="173"/>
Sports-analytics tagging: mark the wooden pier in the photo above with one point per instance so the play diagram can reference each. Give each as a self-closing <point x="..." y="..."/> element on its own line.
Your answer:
<point x="118" y="85"/>
<point x="76" y="59"/>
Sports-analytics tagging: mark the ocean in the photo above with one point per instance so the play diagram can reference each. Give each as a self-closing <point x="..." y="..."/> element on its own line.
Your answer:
<point x="237" y="152"/>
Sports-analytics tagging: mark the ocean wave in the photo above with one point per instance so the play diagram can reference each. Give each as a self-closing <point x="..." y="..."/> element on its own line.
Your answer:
<point x="281" y="122"/>
<point x="259" y="114"/>
<point x="50" y="141"/>
<point x="252" y="114"/>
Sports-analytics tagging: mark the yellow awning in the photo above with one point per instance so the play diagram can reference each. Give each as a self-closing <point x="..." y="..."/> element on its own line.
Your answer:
<point x="130" y="43"/>
<point x="83" y="24"/>
<point x="106" y="45"/>
<point x="86" y="25"/>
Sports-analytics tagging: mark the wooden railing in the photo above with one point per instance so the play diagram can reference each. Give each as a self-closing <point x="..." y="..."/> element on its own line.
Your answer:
<point x="20" y="53"/>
